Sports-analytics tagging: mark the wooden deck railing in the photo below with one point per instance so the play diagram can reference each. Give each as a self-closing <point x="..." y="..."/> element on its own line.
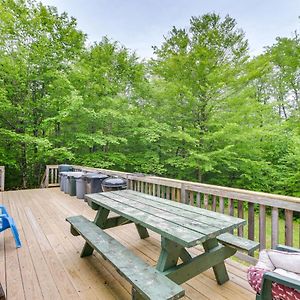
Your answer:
<point x="2" y="178"/>
<point x="268" y="215"/>
<point x="50" y="178"/>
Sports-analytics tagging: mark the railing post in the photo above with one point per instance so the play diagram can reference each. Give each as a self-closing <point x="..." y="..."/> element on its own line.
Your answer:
<point x="262" y="226"/>
<point x="205" y="200"/>
<point x="47" y="177"/>
<point x="2" y="178"/>
<point x="289" y="227"/>
<point x="241" y="215"/>
<point x="221" y="205"/>
<point x="183" y="193"/>
<point x="251" y="221"/>
<point x="274" y="228"/>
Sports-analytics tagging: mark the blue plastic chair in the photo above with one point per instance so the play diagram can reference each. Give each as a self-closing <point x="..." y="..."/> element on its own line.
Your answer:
<point x="3" y="210"/>
<point x="8" y="222"/>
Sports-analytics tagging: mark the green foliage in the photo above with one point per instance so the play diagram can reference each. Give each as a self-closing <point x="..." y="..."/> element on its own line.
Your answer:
<point x="201" y="110"/>
<point x="37" y="48"/>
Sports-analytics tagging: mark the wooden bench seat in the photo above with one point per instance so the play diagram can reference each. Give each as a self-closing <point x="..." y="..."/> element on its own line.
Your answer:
<point x="149" y="282"/>
<point x="240" y="243"/>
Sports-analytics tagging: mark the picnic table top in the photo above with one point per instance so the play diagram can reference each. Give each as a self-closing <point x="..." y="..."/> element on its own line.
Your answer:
<point x="184" y="224"/>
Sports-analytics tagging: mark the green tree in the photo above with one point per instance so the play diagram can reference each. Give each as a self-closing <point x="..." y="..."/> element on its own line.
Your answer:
<point x="108" y="80"/>
<point x="195" y="69"/>
<point x="37" y="47"/>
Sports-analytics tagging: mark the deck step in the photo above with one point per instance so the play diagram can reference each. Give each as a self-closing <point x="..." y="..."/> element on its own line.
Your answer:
<point x="149" y="282"/>
<point x="237" y="242"/>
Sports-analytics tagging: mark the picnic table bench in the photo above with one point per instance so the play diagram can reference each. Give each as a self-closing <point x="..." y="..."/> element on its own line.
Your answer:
<point x="181" y="227"/>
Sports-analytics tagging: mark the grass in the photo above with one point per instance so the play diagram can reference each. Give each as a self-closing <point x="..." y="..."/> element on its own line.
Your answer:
<point x="281" y="225"/>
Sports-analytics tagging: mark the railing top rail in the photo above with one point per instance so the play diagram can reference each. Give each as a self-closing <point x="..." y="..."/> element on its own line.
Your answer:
<point x="52" y="166"/>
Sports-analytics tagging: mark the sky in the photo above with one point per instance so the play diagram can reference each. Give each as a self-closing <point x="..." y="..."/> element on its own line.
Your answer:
<point x="140" y="24"/>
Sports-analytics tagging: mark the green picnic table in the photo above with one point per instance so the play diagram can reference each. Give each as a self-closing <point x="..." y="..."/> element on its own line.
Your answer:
<point x="181" y="227"/>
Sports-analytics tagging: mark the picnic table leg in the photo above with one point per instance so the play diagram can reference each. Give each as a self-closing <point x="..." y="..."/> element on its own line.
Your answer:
<point x="219" y="269"/>
<point x="135" y="295"/>
<point x="100" y="220"/>
<point x="185" y="255"/>
<point x="169" y="254"/>
<point x="143" y="232"/>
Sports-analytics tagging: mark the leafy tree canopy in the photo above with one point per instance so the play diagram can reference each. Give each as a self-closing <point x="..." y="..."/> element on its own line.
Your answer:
<point x="201" y="110"/>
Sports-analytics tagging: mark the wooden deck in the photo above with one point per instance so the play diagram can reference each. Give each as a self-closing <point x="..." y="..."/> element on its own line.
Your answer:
<point x="48" y="266"/>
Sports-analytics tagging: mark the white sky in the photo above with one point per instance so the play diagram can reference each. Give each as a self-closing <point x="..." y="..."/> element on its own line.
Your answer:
<point x="140" y="24"/>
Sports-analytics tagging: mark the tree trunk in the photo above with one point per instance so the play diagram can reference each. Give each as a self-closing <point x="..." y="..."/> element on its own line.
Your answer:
<point x="23" y="165"/>
<point x="199" y="175"/>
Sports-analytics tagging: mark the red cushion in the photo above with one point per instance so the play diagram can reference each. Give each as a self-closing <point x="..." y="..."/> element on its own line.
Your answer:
<point x="279" y="291"/>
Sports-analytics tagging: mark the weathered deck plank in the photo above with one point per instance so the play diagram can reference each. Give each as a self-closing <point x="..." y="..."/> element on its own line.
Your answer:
<point x="41" y="213"/>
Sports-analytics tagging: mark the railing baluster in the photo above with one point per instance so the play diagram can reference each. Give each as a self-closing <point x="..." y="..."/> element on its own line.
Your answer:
<point x="221" y="205"/>
<point x="47" y="177"/>
<point x="262" y="226"/>
<point x="158" y="190"/>
<point x="146" y="187"/>
<point x="289" y="227"/>
<point x="274" y="228"/>
<point x="173" y="194"/>
<point x="214" y="203"/>
<point x="241" y="215"/>
<point x="168" y="192"/>
<point x="154" y="190"/>
<point x="191" y="198"/>
<point x="183" y="194"/>
<point x="251" y="224"/>
<point x="231" y="207"/>
<point x="251" y="221"/>
<point x="52" y="175"/>
<point x="138" y="188"/>
<point x="143" y="187"/>
<point x="178" y="195"/>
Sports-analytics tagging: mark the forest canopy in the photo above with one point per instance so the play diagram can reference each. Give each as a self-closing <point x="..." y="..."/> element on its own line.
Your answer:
<point x="201" y="109"/>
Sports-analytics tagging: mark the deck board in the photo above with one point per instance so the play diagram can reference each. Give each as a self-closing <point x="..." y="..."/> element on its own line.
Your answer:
<point x="48" y="266"/>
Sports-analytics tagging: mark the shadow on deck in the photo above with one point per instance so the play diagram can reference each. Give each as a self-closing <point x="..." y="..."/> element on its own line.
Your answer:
<point x="48" y="266"/>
